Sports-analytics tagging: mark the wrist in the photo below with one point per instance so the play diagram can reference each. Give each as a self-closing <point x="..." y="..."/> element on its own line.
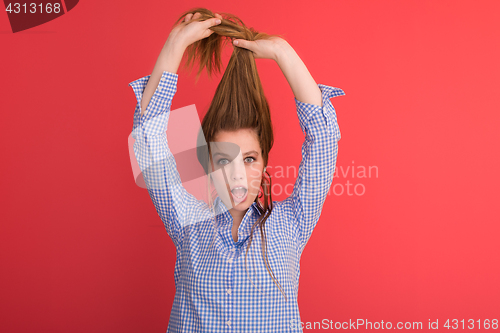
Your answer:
<point x="174" y="45"/>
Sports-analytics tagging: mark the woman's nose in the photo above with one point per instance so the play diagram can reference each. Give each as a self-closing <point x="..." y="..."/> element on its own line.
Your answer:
<point x="237" y="169"/>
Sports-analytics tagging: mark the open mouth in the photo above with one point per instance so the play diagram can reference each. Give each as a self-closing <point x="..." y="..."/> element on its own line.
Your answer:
<point x="239" y="193"/>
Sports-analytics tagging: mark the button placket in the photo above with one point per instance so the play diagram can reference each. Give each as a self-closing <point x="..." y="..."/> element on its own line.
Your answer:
<point x="229" y="285"/>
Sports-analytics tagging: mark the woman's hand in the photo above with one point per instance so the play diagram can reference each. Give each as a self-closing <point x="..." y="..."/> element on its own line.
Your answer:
<point x="191" y="30"/>
<point x="263" y="48"/>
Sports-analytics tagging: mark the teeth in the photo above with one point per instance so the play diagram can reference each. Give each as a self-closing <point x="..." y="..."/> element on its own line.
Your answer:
<point x="239" y="192"/>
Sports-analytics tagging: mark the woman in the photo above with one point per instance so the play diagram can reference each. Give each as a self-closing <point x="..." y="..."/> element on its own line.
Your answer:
<point x="216" y="289"/>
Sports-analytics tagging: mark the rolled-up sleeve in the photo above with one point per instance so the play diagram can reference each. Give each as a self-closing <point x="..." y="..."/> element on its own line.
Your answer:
<point x="156" y="162"/>
<point x="319" y="156"/>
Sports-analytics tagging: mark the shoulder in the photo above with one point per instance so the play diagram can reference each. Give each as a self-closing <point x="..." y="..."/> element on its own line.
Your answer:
<point x="282" y="216"/>
<point x="283" y="206"/>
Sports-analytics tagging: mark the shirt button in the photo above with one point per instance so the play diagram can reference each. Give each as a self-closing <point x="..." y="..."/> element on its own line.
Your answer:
<point x="228" y="291"/>
<point x="228" y="323"/>
<point x="230" y="260"/>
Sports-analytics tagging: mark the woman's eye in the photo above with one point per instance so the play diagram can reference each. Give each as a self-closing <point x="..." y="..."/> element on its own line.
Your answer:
<point x="224" y="161"/>
<point x="249" y="159"/>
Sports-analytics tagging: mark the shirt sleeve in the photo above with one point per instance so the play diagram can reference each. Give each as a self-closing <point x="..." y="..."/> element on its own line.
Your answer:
<point x="319" y="156"/>
<point x="175" y="206"/>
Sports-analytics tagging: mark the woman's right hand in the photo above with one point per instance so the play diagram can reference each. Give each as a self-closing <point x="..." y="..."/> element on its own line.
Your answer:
<point x="191" y="30"/>
<point x="188" y="31"/>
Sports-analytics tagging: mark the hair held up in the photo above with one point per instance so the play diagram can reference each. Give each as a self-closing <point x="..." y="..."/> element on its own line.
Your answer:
<point x="238" y="103"/>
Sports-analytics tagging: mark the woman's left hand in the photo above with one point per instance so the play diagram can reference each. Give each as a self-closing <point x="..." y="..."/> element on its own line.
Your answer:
<point x="262" y="48"/>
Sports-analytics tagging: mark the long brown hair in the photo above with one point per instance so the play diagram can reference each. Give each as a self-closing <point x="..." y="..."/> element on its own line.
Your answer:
<point x="239" y="103"/>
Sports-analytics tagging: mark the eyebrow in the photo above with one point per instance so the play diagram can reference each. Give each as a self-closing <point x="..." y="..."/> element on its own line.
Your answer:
<point x="245" y="154"/>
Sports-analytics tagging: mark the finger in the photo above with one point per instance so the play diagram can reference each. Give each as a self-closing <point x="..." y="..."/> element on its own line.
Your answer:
<point x="243" y="43"/>
<point x="196" y="15"/>
<point x="211" y="22"/>
<point x="219" y="16"/>
<point x="188" y="17"/>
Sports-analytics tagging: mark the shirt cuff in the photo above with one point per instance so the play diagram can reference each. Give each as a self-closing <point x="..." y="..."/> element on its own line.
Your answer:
<point x="306" y="110"/>
<point x="160" y="101"/>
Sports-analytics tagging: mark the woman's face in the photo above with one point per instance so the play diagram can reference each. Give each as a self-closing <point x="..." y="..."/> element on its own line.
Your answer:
<point x="238" y="164"/>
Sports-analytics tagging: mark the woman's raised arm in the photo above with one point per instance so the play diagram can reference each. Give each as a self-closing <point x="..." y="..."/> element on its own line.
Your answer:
<point x="318" y="122"/>
<point x="175" y="206"/>
<point x="319" y="151"/>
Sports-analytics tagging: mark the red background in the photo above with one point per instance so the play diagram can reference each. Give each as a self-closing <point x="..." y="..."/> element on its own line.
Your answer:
<point x="82" y="248"/>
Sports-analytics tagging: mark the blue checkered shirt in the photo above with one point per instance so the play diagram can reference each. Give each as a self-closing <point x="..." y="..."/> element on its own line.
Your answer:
<point x="214" y="291"/>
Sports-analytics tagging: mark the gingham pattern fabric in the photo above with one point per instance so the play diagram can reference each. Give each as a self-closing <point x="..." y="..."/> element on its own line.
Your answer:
<point x="214" y="290"/>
